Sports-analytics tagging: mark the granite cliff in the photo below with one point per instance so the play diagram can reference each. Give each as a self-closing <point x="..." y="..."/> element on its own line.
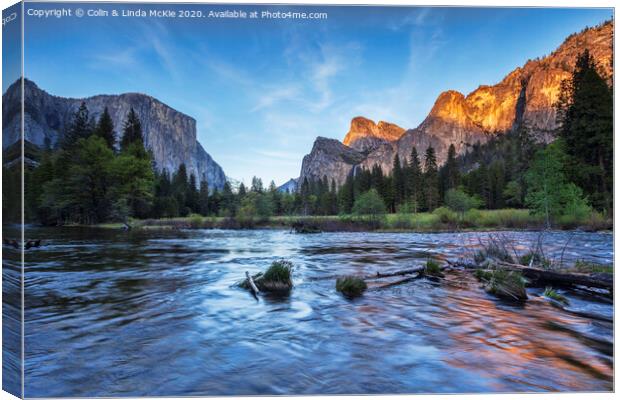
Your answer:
<point x="169" y="134"/>
<point x="525" y="97"/>
<point x="365" y="136"/>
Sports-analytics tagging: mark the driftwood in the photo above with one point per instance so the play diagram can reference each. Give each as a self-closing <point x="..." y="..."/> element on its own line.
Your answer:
<point x="601" y="281"/>
<point x="253" y="287"/>
<point x="379" y="275"/>
<point x="395" y="283"/>
<point x="419" y="271"/>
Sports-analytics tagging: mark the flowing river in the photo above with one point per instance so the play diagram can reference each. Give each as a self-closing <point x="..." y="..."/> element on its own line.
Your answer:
<point x="113" y="313"/>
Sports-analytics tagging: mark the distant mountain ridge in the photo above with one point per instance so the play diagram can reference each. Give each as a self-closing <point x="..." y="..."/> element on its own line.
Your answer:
<point x="525" y="97"/>
<point x="169" y="134"/>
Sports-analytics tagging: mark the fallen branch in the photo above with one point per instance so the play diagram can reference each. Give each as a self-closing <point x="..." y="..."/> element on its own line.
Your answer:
<point x="396" y="283"/>
<point x="252" y="284"/>
<point x="602" y="281"/>
<point x="379" y="275"/>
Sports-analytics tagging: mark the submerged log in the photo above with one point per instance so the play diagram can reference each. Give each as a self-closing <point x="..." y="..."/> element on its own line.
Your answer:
<point x="409" y="271"/>
<point x="601" y="280"/>
<point x="539" y="275"/>
<point x="395" y="283"/>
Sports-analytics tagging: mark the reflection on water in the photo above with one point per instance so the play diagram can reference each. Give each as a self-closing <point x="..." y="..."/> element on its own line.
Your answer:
<point x="119" y="314"/>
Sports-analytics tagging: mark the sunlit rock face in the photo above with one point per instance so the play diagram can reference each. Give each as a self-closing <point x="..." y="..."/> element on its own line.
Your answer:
<point x="525" y="97"/>
<point x="329" y="158"/>
<point x="364" y="135"/>
<point x="169" y="134"/>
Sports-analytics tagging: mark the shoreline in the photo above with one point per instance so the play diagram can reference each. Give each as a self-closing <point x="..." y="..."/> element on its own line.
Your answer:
<point x="478" y="221"/>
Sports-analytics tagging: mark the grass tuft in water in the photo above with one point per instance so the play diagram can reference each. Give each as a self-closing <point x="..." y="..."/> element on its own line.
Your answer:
<point x="483" y="274"/>
<point x="432" y="268"/>
<point x="550" y="293"/>
<point x="351" y="286"/>
<point x="277" y="278"/>
<point x="507" y="284"/>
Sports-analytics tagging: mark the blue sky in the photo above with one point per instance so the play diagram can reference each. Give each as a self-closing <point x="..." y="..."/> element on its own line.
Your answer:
<point x="262" y="90"/>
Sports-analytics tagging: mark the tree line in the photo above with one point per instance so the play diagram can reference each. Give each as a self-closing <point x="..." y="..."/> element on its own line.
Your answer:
<point x="90" y="178"/>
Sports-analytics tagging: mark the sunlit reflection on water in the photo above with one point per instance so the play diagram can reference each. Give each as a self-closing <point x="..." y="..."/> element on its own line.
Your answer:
<point x="119" y="314"/>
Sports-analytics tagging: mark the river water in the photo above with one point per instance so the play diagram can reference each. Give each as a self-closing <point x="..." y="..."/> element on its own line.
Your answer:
<point x="156" y="313"/>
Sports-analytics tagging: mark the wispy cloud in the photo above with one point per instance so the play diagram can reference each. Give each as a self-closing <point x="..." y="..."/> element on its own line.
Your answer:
<point x="228" y="71"/>
<point x="272" y="97"/>
<point x="125" y="59"/>
<point x="415" y="17"/>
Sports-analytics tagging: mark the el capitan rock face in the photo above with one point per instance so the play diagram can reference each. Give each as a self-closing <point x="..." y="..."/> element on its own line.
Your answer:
<point x="169" y="134"/>
<point x="525" y="97"/>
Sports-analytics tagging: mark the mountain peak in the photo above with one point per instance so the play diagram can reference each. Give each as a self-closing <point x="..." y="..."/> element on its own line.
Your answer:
<point x="169" y="134"/>
<point x="450" y="105"/>
<point x="364" y="134"/>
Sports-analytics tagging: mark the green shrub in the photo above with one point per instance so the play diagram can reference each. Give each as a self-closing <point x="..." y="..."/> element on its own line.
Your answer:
<point x="460" y="202"/>
<point x="552" y="294"/>
<point x="472" y="218"/>
<point x="598" y="222"/>
<point x="369" y="204"/>
<point x="445" y="215"/>
<point x="351" y="286"/>
<point x="196" y="220"/>
<point x="401" y="221"/>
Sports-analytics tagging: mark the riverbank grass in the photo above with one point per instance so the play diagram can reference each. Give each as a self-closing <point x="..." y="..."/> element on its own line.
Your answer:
<point x="441" y="220"/>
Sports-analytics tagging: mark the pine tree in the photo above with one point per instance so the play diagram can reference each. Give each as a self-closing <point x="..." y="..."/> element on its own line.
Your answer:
<point x="105" y="128"/>
<point x="203" y="198"/>
<point x="87" y="191"/>
<point x="431" y="180"/>
<point x="242" y="190"/>
<point x="257" y="185"/>
<point x="398" y="182"/>
<point x="585" y="114"/>
<point x="228" y="202"/>
<point x="80" y="127"/>
<point x="414" y="179"/>
<point x="346" y="195"/>
<point x="179" y="189"/>
<point x="132" y="131"/>
<point x="191" y="195"/>
<point x="305" y="196"/>
<point x="452" y="169"/>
